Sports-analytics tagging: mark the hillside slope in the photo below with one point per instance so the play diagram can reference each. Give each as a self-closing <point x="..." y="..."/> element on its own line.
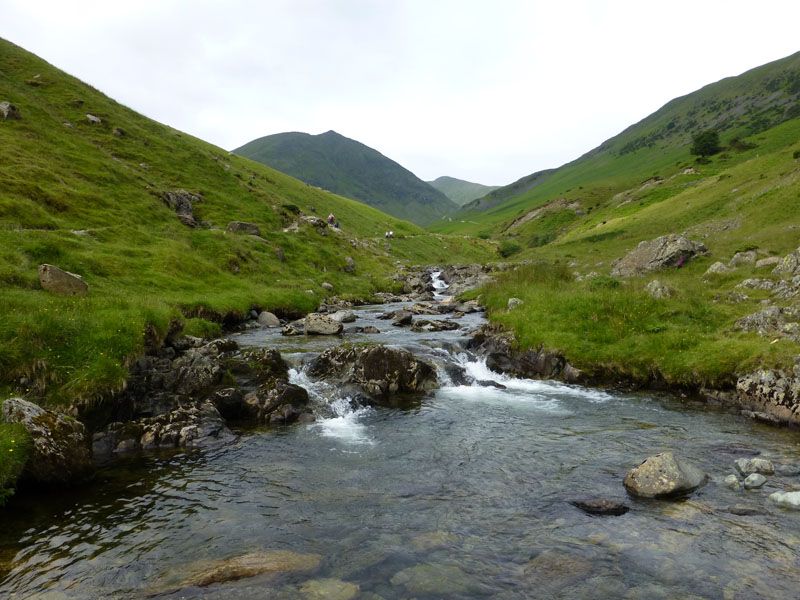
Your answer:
<point x="92" y="187"/>
<point x="656" y="147"/>
<point x="349" y="168"/>
<point x="459" y="191"/>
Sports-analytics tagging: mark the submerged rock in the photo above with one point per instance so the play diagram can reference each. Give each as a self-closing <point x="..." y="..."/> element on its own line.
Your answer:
<point x="60" y="444"/>
<point x="664" y="476"/>
<point x="596" y="506"/>
<point x="329" y="589"/>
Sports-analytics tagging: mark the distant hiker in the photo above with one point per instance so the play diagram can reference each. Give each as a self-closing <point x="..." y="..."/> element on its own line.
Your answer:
<point x="336" y="224"/>
<point x="331" y="219"/>
<point x="386" y="235"/>
<point x="680" y="262"/>
<point x="391" y="235"/>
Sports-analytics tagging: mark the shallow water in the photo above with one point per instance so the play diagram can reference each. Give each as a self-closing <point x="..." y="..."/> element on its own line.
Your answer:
<point x="464" y="495"/>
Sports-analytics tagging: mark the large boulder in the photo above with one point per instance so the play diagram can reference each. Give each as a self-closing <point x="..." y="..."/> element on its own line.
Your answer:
<point x="376" y="370"/>
<point x="789" y="265"/>
<point x="664" y="476"/>
<point x="61" y="282"/>
<point x="773" y="396"/>
<point x="661" y="253"/>
<point x="786" y="499"/>
<point x="60" y="444"/>
<point x="268" y="319"/>
<point x="317" y="324"/>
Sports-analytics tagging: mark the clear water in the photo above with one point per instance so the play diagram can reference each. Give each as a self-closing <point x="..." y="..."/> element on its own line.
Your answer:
<point x="464" y="495"/>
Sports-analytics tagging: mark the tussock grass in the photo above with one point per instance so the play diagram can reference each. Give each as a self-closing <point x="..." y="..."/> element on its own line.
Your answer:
<point x="600" y="326"/>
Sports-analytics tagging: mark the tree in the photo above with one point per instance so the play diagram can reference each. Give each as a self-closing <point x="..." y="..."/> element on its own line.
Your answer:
<point x="705" y="143"/>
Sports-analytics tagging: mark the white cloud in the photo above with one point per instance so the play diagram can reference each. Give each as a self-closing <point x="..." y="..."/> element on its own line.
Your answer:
<point x="483" y="91"/>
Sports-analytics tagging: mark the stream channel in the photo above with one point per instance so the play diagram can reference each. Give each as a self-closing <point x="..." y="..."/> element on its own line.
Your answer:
<point x="464" y="494"/>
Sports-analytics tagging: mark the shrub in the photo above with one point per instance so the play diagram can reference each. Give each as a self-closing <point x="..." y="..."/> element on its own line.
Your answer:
<point x="705" y="143"/>
<point x="603" y="281"/>
<point x="202" y="328"/>
<point x="509" y="247"/>
<point x="796" y="154"/>
<point x="484" y="235"/>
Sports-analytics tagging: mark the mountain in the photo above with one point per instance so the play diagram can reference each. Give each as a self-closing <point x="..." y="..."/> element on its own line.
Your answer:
<point x="657" y="147"/>
<point x="349" y="168"/>
<point x="460" y="191"/>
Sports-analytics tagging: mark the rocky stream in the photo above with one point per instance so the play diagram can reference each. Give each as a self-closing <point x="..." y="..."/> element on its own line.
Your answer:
<point x="400" y="465"/>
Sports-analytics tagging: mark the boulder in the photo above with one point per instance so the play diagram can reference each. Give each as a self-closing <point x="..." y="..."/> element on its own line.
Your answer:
<point x="786" y="499"/>
<point x="743" y="258"/>
<point x="182" y="202"/>
<point x="93" y="120"/>
<point x="421" y="325"/>
<point x="282" y="402"/>
<point x="329" y="589"/>
<point x="770" y="261"/>
<point x="317" y="324"/>
<point x="377" y="370"/>
<point x="658" y="290"/>
<point x="349" y="265"/>
<point x="9" y="111"/>
<point x="773" y="322"/>
<point x="664" y="476"/>
<point x="61" y="282"/>
<point x="789" y="265"/>
<point x="60" y="444"/>
<point x="208" y="572"/>
<point x="402" y="318"/>
<point x="669" y="251"/>
<point x="242" y="227"/>
<point x="732" y="482"/>
<point x="344" y="316"/>
<point x="267" y="319"/>
<point x="328" y="287"/>
<point x="718" y="268"/>
<point x="514" y="303"/>
<point x="774" y="393"/>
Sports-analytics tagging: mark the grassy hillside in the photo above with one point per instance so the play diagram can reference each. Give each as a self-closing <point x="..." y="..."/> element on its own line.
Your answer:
<point x="459" y="191"/>
<point x="656" y="147"/>
<point x="333" y="162"/>
<point x="91" y="198"/>
<point x="573" y="222"/>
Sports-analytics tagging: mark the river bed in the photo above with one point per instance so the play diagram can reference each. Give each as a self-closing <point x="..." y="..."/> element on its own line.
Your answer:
<point x="464" y="494"/>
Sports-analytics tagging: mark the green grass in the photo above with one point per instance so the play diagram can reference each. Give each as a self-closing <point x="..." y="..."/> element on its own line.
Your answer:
<point x="605" y="326"/>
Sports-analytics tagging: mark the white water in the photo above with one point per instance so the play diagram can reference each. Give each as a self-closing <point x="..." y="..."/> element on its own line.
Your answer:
<point x="438" y="286"/>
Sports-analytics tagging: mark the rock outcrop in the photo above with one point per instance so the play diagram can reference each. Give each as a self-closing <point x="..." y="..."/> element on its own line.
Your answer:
<point x="242" y="227"/>
<point x="61" y="282"/>
<point x="377" y="370"/>
<point x="282" y="402"/>
<point x="772" y="396"/>
<point x="182" y="202"/>
<point x="664" y="476"/>
<point x="504" y="356"/>
<point x="60" y="444"/>
<point x="9" y="111"/>
<point x="661" y="253"/>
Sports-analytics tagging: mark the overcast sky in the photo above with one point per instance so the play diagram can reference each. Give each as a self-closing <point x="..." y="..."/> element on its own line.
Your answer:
<point x="488" y="91"/>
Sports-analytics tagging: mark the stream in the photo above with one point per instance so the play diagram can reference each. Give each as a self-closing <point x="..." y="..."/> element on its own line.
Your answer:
<point x="463" y="494"/>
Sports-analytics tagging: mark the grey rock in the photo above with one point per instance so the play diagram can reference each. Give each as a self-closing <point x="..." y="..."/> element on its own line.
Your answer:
<point x="350" y="265"/>
<point x="267" y="319"/>
<point x="601" y="507"/>
<point x="787" y="470"/>
<point x="344" y="316"/>
<point x="658" y="290"/>
<point x="93" y="120"/>
<point x="786" y="499"/>
<point x="182" y="202"/>
<point x="421" y="325"/>
<point x="771" y="261"/>
<point x="741" y="510"/>
<point x="317" y="324"/>
<point x="743" y="258"/>
<point x="772" y="322"/>
<point x="326" y="286"/>
<point x="776" y="393"/>
<point x="754" y="481"/>
<point x="402" y="318"/>
<point x="9" y="111"/>
<point x="514" y="303"/>
<point x="61" y="453"/>
<point x="282" y="402"/>
<point x="789" y="265"/>
<point x="748" y="466"/>
<point x="664" y="476"/>
<point x="755" y="284"/>
<point x="661" y="253"/>
<point x="243" y="227"/>
<point x="718" y="268"/>
<point x="61" y="282"/>
<point x="732" y="482"/>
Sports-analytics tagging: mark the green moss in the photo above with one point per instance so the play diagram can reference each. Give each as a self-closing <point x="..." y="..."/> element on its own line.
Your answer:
<point x="15" y="449"/>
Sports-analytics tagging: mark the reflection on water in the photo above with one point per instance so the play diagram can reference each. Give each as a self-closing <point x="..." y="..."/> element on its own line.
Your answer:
<point x="466" y="495"/>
